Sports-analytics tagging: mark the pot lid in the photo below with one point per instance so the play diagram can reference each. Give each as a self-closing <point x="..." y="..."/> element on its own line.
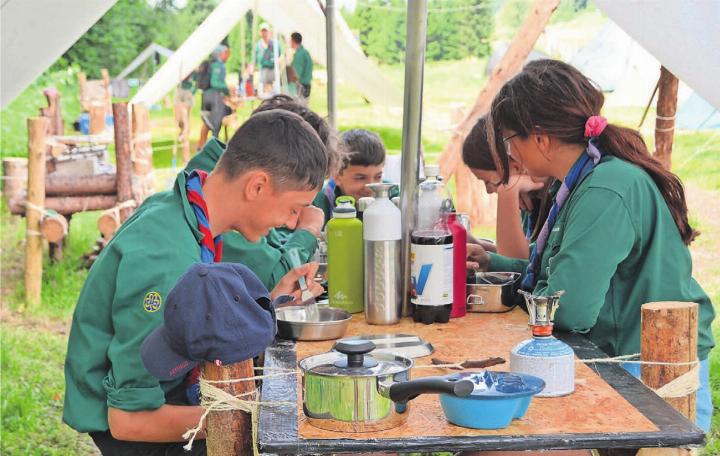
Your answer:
<point x="493" y="278"/>
<point x="501" y="384"/>
<point x="406" y="345"/>
<point x="353" y="359"/>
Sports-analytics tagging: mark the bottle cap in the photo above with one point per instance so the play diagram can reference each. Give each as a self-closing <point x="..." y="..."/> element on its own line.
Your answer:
<point x="344" y="207"/>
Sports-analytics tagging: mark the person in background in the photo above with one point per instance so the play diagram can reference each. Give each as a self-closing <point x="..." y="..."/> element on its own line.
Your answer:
<point x="302" y="64"/>
<point x="364" y="158"/>
<point x="265" y="59"/>
<point x="617" y="235"/>
<point x="211" y="79"/>
<point x="522" y="204"/>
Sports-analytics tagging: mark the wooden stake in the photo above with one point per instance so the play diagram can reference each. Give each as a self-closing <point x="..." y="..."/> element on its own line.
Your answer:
<point x="54" y="227"/>
<point x="35" y="201"/>
<point x="669" y="334"/>
<point x="665" y="121"/>
<point x="142" y="154"/>
<point x="15" y="176"/>
<point x="97" y="118"/>
<point x="471" y="196"/>
<point x="108" y="223"/>
<point x="230" y="432"/>
<point x="123" y="158"/>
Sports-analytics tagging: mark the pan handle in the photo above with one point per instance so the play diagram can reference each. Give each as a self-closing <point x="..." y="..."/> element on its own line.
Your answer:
<point x="405" y="391"/>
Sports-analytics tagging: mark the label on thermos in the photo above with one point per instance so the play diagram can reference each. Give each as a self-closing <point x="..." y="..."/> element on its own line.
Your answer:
<point x="431" y="274"/>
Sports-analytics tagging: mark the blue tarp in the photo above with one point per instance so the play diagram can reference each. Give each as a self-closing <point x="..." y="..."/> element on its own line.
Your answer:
<point x="697" y="114"/>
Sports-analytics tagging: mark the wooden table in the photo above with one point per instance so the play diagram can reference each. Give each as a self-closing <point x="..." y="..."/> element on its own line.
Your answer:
<point x="281" y="429"/>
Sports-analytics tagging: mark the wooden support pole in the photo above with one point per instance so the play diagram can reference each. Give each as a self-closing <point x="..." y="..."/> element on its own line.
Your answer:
<point x="37" y="128"/>
<point x="470" y="194"/>
<point x="665" y="121"/>
<point x="230" y="432"/>
<point x="14" y="178"/>
<point x="53" y="112"/>
<point x="97" y="118"/>
<point x="97" y="184"/>
<point x="67" y="205"/>
<point x="123" y="157"/>
<point x="669" y="334"/>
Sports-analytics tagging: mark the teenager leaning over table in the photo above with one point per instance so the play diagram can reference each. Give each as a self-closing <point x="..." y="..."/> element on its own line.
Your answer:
<point x="617" y="235"/>
<point x="522" y="203"/>
<point x="273" y="168"/>
<point x="269" y="257"/>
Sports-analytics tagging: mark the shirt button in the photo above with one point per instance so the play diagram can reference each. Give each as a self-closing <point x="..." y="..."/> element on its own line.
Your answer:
<point x="237" y="298"/>
<point x="202" y="272"/>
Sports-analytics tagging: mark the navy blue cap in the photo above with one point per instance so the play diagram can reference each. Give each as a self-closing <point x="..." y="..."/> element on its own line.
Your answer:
<point x="215" y="312"/>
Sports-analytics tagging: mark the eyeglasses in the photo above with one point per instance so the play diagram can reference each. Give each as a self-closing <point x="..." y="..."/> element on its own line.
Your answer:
<point x="506" y="141"/>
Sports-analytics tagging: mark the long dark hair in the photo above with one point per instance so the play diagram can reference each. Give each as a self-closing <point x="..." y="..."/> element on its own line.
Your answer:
<point x="553" y="98"/>
<point x="476" y="154"/>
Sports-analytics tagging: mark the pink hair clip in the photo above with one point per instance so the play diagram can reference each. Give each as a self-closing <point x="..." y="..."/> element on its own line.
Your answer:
<point x="594" y="126"/>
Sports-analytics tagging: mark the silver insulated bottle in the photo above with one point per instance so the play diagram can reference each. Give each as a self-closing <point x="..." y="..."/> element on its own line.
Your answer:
<point x="381" y="237"/>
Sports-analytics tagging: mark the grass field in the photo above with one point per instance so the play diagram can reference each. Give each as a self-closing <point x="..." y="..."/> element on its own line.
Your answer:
<point x="33" y="340"/>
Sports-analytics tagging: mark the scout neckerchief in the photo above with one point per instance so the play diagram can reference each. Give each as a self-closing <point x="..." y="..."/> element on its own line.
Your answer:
<point x="210" y="252"/>
<point x="210" y="249"/>
<point x="593" y="128"/>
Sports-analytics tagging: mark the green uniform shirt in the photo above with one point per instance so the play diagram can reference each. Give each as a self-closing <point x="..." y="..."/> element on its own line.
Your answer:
<point x="614" y="247"/>
<point x="121" y="302"/>
<point x="264" y="55"/>
<point x="269" y="257"/>
<point x="217" y="77"/>
<point x="303" y="65"/>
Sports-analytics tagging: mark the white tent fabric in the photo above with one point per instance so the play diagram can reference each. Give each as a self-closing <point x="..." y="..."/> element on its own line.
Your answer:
<point x="286" y="16"/>
<point x="684" y="36"/>
<point x="143" y="56"/>
<point x="34" y="33"/>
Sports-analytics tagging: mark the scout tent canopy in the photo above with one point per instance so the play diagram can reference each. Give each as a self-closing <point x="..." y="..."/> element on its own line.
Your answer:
<point x="35" y="33"/>
<point x="286" y="16"/>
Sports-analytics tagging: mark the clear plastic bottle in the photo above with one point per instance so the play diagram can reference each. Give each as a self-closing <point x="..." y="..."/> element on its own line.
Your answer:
<point x="430" y="199"/>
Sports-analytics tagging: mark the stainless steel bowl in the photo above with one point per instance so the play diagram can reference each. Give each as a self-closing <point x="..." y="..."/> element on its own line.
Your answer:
<point x="293" y="323"/>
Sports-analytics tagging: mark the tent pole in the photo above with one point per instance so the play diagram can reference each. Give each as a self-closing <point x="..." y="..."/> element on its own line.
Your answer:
<point x="330" y="60"/>
<point x="412" y="122"/>
<point x="665" y="120"/>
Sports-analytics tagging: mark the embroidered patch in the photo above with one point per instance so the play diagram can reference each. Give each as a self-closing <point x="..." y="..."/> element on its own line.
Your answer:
<point x="152" y="301"/>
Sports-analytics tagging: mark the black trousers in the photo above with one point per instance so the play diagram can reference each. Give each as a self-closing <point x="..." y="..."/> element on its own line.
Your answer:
<point x="109" y="446"/>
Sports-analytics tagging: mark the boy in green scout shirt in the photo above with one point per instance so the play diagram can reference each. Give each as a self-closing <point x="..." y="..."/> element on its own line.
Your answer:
<point x="617" y="235"/>
<point x="272" y="169"/>
<point x="269" y="257"/>
<point x="363" y="164"/>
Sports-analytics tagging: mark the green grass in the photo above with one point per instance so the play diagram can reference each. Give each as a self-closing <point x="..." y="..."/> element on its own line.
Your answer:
<point x="32" y="394"/>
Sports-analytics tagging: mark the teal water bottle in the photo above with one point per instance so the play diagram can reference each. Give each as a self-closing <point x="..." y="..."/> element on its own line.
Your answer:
<point x="345" y="257"/>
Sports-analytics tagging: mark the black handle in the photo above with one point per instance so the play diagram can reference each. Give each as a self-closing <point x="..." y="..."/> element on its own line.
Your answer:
<point x="355" y="351"/>
<point x="405" y="391"/>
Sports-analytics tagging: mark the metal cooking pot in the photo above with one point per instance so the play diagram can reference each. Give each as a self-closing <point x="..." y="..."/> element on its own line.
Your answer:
<point x="352" y="391"/>
<point x="491" y="291"/>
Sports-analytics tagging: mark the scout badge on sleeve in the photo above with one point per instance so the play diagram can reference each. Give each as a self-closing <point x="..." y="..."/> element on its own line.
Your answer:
<point x="217" y="312"/>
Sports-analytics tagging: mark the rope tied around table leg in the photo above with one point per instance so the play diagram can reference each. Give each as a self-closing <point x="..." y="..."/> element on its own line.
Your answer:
<point x="215" y="399"/>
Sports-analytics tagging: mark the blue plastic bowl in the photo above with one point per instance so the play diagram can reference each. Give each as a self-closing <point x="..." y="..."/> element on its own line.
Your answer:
<point x="498" y="398"/>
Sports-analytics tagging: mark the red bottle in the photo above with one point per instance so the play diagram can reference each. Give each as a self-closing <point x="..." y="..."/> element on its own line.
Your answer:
<point x="459" y="307"/>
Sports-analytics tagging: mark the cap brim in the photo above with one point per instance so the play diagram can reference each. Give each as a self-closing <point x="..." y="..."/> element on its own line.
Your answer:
<point x="160" y="359"/>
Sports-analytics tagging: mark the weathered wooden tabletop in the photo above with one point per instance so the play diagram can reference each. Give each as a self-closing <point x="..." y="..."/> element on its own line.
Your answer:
<point x="282" y="430"/>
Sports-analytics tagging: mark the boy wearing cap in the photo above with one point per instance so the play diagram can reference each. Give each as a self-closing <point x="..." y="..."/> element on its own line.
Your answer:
<point x="271" y="170"/>
<point x="269" y="257"/>
<point x="363" y="164"/>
